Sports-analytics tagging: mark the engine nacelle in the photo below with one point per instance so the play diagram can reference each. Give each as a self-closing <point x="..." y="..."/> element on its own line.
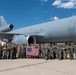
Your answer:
<point x="22" y="39"/>
<point x="6" y="28"/>
<point x="4" y="40"/>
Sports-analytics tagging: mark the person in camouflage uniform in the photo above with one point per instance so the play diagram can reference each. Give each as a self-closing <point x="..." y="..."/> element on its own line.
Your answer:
<point x="11" y="51"/>
<point x="23" y="50"/>
<point x="3" y="51"/>
<point x="19" y="51"/>
<point x="49" y="48"/>
<point x="42" y="48"/>
<point x="64" y="52"/>
<point x="0" y="51"/>
<point x="14" y="51"/>
<point x="7" y="52"/>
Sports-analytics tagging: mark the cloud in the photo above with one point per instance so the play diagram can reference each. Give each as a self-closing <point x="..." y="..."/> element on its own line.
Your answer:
<point x="44" y="0"/>
<point x="54" y="18"/>
<point x="57" y="2"/>
<point x="66" y="4"/>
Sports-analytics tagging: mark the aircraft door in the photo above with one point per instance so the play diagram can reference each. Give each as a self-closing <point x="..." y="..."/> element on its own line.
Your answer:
<point x="72" y="27"/>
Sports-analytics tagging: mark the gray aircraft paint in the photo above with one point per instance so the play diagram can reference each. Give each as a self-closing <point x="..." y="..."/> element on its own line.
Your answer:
<point x="61" y="30"/>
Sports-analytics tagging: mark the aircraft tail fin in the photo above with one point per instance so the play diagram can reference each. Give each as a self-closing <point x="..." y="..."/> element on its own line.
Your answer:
<point x="4" y="27"/>
<point x="2" y="21"/>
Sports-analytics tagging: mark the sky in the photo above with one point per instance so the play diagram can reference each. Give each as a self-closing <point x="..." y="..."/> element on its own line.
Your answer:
<point x="23" y="13"/>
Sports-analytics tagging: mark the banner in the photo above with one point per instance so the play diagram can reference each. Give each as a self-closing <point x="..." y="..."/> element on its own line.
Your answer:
<point x="32" y="51"/>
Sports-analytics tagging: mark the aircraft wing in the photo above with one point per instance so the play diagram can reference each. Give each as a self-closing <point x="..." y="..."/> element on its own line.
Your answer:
<point x="6" y="35"/>
<point x="10" y="35"/>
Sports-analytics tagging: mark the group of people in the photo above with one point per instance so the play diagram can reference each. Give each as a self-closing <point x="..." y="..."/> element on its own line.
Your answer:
<point x="46" y="51"/>
<point x="12" y="51"/>
<point x="54" y="51"/>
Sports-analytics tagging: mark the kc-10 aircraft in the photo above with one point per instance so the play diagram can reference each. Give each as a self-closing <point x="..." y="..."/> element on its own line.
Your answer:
<point x="62" y="30"/>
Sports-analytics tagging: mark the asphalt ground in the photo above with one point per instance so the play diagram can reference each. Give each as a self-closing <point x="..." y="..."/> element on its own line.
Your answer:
<point x="37" y="67"/>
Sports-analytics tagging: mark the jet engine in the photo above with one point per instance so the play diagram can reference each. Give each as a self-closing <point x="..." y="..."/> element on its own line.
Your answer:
<point x="4" y="40"/>
<point x="23" y="39"/>
<point x="6" y="28"/>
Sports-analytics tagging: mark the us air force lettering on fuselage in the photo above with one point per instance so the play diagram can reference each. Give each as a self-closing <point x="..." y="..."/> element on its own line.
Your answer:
<point x="61" y="30"/>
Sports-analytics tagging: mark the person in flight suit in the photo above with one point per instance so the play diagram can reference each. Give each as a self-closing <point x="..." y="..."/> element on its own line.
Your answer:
<point x="42" y="48"/>
<point x="72" y="51"/>
<point x="75" y="51"/>
<point x="54" y="49"/>
<point x="67" y="50"/>
<point x="59" y="50"/>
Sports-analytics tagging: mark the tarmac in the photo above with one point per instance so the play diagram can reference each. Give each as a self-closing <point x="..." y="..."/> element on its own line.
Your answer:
<point x="37" y="67"/>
